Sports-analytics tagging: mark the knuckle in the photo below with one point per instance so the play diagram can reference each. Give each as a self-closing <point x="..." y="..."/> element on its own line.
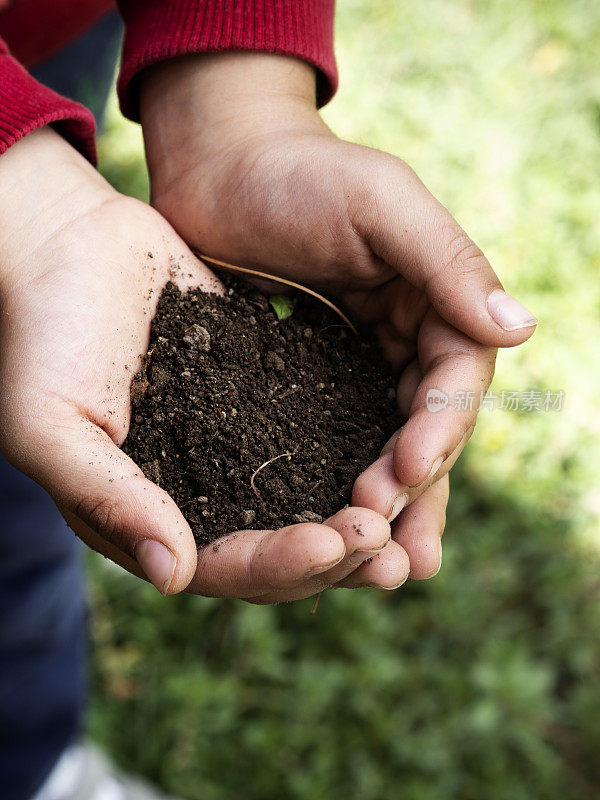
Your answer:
<point x="463" y="256"/>
<point x="104" y="516"/>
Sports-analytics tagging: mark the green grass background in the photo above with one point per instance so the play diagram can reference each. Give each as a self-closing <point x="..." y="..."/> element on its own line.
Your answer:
<point x="483" y="683"/>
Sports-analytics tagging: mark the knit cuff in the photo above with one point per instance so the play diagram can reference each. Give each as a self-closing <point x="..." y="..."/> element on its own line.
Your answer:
<point x="157" y="30"/>
<point x="26" y="105"/>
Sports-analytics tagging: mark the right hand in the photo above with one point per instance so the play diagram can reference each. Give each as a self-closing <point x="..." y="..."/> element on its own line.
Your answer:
<point x="78" y="290"/>
<point x="260" y="181"/>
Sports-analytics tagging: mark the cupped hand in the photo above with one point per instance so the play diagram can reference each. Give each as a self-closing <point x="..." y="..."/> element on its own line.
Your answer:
<point x="243" y="167"/>
<point x="81" y="269"/>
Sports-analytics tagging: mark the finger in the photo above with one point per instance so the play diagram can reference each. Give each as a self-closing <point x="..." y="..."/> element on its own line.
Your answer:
<point x="419" y="529"/>
<point x="108" y="502"/>
<point x="379" y="488"/>
<point x="406" y="227"/>
<point x="440" y="394"/>
<point x="386" y="570"/>
<point x="407" y="387"/>
<point x="364" y="532"/>
<point x="456" y="372"/>
<point x="250" y="563"/>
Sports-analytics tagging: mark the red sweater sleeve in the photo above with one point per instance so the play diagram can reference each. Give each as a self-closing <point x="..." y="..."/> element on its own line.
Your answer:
<point x="157" y="30"/>
<point x="160" y="29"/>
<point x="26" y="105"/>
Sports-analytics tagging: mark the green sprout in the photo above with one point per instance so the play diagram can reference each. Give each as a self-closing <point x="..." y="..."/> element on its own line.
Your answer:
<point x="282" y="305"/>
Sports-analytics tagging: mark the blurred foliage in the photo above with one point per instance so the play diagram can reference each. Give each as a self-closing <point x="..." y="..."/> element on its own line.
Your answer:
<point x="484" y="682"/>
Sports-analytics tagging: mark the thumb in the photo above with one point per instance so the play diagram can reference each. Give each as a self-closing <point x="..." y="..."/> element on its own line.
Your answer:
<point x="406" y="227"/>
<point x="110" y="505"/>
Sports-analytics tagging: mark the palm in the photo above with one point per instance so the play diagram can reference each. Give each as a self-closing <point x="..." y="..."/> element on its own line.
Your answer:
<point x="85" y="321"/>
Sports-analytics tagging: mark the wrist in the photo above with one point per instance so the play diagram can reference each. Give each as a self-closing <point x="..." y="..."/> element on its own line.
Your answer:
<point x="46" y="183"/>
<point x="221" y="87"/>
<point x="206" y="105"/>
<point x="41" y="164"/>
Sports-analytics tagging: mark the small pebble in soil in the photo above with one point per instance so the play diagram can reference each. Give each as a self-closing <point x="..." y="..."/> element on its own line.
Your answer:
<point x="307" y="516"/>
<point x="245" y="518"/>
<point x="196" y="338"/>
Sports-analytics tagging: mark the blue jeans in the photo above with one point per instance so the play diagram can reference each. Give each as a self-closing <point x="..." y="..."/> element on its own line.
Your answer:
<point x="43" y="631"/>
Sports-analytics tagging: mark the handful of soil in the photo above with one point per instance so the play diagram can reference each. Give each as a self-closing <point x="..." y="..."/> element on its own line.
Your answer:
<point x="249" y="421"/>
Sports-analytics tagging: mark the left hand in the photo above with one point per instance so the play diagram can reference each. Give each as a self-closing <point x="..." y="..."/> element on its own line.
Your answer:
<point x="81" y="270"/>
<point x="243" y="167"/>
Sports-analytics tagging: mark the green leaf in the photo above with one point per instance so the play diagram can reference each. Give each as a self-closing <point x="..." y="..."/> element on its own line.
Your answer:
<point x="282" y="305"/>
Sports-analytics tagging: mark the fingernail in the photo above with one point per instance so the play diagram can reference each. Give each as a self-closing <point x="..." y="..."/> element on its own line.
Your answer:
<point x="436" y="465"/>
<point x="440" y="554"/>
<point x="397" y="505"/>
<point x="358" y="556"/>
<point x="158" y="563"/>
<point x="324" y="567"/>
<point x="508" y="312"/>
<point x="389" y="588"/>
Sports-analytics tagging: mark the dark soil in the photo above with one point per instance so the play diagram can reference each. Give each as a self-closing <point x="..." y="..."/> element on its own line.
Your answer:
<point x="226" y="387"/>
